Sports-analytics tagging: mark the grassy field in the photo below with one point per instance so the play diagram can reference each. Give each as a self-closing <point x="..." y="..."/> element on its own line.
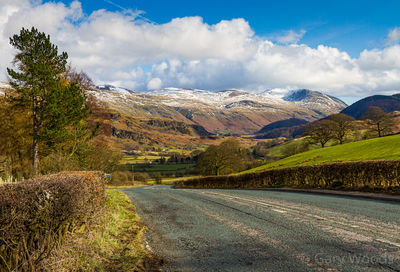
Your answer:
<point x="114" y="242"/>
<point x="385" y="148"/>
<point x="128" y="159"/>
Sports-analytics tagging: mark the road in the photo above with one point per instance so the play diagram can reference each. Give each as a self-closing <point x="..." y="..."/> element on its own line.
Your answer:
<point x="252" y="230"/>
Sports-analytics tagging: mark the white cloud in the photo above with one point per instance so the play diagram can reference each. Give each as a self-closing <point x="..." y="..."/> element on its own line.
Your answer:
<point x="291" y="37"/>
<point x="154" y="84"/>
<point x="393" y="36"/>
<point x="116" y="48"/>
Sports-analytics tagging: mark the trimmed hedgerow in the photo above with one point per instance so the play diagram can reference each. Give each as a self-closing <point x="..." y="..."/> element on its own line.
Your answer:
<point x="364" y="175"/>
<point x="36" y="214"/>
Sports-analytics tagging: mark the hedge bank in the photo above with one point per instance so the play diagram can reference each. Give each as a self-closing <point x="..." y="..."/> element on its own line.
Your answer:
<point x="36" y="214"/>
<point x="364" y="175"/>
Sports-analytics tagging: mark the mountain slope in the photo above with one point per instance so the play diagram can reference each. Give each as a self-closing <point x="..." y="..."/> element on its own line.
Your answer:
<point x="283" y="124"/>
<point x="385" y="102"/>
<point x="385" y="148"/>
<point x="317" y="101"/>
<point x="225" y="112"/>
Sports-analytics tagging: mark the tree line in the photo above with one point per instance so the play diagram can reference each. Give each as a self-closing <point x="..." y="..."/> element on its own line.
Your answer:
<point x="339" y="126"/>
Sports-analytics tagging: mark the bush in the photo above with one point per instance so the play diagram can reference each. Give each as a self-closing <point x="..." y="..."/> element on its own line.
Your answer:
<point x="142" y="177"/>
<point x="365" y="175"/>
<point x="157" y="178"/>
<point x="36" y="214"/>
<point x="120" y="178"/>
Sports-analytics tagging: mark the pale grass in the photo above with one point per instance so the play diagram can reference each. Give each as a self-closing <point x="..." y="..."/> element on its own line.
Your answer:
<point x="113" y="242"/>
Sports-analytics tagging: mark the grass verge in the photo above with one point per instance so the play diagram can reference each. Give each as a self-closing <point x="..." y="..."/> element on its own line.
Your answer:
<point x="112" y="242"/>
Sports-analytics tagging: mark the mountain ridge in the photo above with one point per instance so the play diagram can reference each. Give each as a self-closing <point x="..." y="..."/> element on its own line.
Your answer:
<point x="387" y="103"/>
<point x="222" y="112"/>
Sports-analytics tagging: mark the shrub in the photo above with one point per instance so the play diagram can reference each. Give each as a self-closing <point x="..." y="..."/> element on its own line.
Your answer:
<point x="142" y="177"/>
<point x="157" y="178"/>
<point x="36" y="214"/>
<point x="120" y="178"/>
<point x="370" y="175"/>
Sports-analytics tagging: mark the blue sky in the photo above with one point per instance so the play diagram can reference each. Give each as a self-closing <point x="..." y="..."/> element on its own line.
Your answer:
<point x="352" y="25"/>
<point x="349" y="49"/>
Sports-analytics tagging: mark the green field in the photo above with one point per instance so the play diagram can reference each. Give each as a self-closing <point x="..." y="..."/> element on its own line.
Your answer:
<point x="385" y="148"/>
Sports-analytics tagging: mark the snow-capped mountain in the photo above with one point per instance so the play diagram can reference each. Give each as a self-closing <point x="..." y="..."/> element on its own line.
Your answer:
<point x="112" y="88"/>
<point x="316" y="101"/>
<point x="232" y="111"/>
<point x="312" y="100"/>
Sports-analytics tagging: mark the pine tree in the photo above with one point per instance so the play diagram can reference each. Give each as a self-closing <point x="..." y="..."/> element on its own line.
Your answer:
<point x="39" y="84"/>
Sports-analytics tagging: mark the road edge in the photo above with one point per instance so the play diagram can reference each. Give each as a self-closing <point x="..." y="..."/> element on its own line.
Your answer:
<point x="355" y="194"/>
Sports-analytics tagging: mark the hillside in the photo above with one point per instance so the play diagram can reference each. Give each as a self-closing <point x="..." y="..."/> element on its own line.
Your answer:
<point x="385" y="148"/>
<point x="292" y="127"/>
<point x="220" y="112"/>
<point x="385" y="102"/>
<point x="282" y="124"/>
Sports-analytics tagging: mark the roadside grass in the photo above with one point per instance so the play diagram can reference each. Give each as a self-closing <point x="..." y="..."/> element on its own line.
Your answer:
<point x="112" y="242"/>
<point x="385" y="148"/>
<point x="115" y="187"/>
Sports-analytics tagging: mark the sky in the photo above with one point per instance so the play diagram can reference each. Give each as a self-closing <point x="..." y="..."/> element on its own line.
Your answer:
<point x="349" y="49"/>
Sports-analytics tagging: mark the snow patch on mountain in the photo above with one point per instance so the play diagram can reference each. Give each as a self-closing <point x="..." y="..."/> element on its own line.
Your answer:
<point x="3" y="86"/>
<point x="221" y="99"/>
<point x="317" y="101"/>
<point x="114" y="89"/>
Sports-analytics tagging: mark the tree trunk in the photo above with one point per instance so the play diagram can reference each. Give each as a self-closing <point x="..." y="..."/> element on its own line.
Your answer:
<point x="379" y="131"/>
<point x="35" y="146"/>
<point x="35" y="152"/>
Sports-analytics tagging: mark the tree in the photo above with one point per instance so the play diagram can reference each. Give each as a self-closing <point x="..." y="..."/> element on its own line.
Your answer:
<point x="54" y="103"/>
<point x="380" y="122"/>
<point x="14" y="140"/>
<point x="320" y="131"/>
<point x="157" y="178"/>
<point x="226" y="158"/>
<point x="341" y="126"/>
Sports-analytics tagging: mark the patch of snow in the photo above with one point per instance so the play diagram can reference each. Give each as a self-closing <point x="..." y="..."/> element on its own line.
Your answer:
<point x="114" y="89"/>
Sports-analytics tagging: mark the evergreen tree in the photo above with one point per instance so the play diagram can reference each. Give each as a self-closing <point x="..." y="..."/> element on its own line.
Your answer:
<point x="39" y="84"/>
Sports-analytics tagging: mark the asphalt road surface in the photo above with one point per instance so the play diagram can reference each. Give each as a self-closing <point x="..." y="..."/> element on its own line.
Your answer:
<point x="250" y="230"/>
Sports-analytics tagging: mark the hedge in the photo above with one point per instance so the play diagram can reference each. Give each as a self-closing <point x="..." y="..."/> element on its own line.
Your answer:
<point x="36" y="214"/>
<point x="364" y="175"/>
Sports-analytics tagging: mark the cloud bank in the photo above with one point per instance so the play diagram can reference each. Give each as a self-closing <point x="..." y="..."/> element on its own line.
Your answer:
<point x="119" y="48"/>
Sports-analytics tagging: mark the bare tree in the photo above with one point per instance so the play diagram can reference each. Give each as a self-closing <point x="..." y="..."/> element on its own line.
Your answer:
<point x="341" y="126"/>
<point x="380" y="122"/>
<point x="226" y="158"/>
<point x="320" y="131"/>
